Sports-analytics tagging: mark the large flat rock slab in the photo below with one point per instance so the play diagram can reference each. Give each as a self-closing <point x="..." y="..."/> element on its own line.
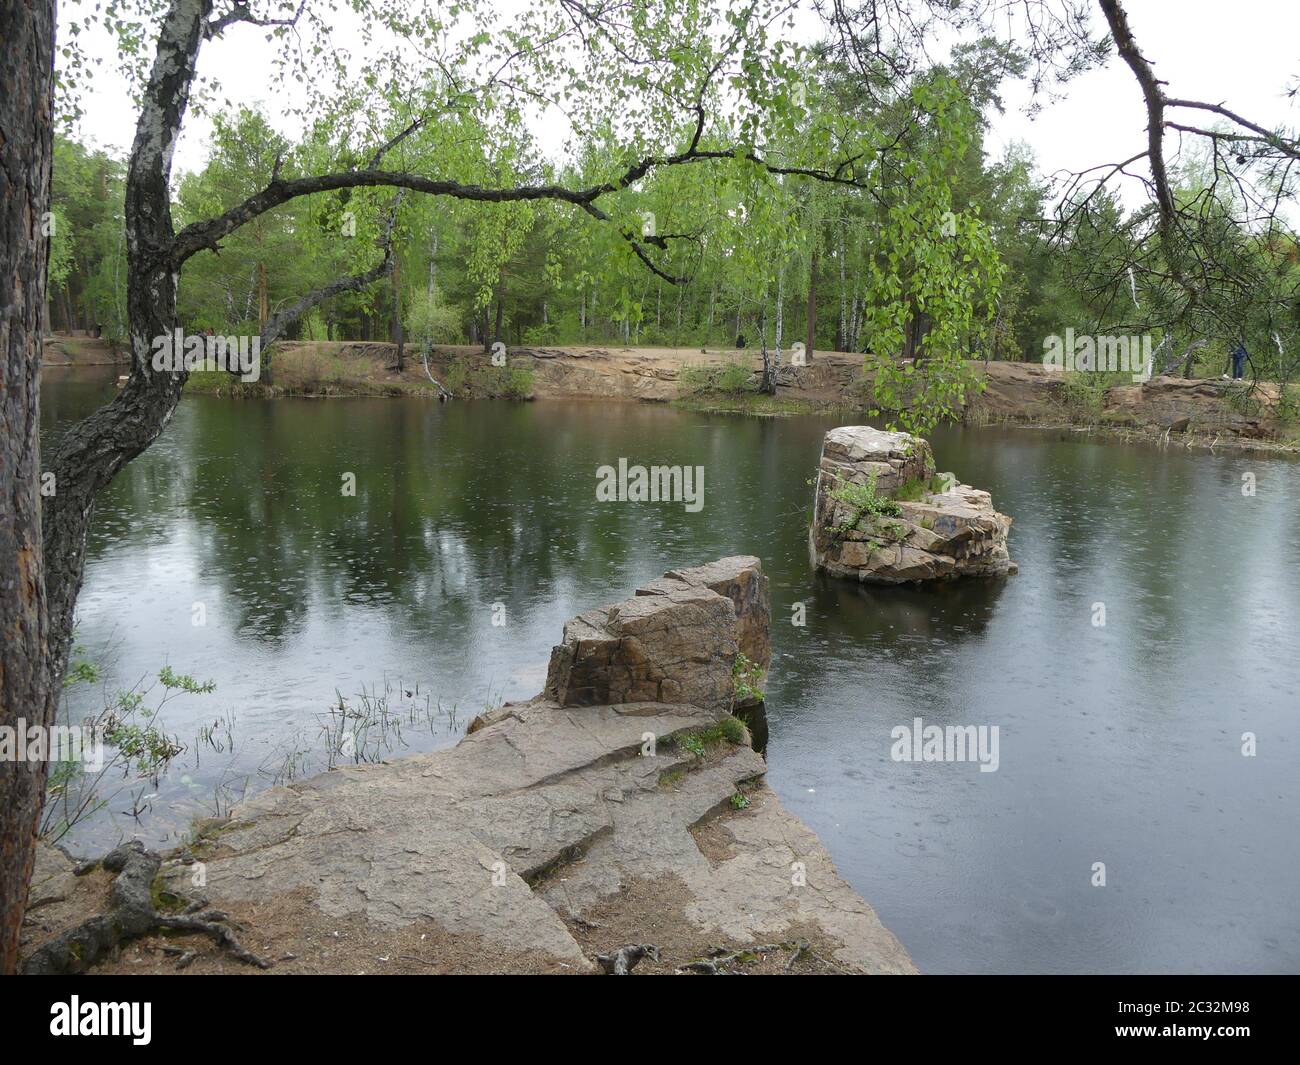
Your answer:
<point x="558" y="826"/>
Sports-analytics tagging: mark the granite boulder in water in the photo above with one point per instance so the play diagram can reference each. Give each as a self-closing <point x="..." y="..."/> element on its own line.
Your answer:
<point x="883" y="514"/>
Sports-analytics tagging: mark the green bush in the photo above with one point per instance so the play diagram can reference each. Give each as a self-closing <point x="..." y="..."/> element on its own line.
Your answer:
<point x="540" y="336"/>
<point x="430" y="321"/>
<point x="456" y="376"/>
<point x="731" y="378"/>
<point x="1081" y="395"/>
<point x="1288" y="405"/>
<point x="519" y="382"/>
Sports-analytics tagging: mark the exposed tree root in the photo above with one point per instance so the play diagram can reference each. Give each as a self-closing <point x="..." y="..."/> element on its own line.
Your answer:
<point x="131" y="915"/>
<point x="623" y="960"/>
<point x="717" y="963"/>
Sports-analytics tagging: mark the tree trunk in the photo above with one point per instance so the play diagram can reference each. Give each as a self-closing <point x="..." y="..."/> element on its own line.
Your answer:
<point x="501" y="299"/>
<point x="811" y="341"/>
<point x="66" y="300"/>
<point x="91" y="452"/>
<point x="841" y="333"/>
<point x="399" y="334"/>
<point x="26" y="688"/>
<point x="780" y="312"/>
<point x="767" y="386"/>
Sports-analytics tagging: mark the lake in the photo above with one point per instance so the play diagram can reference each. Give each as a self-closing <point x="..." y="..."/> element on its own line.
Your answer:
<point x="475" y="532"/>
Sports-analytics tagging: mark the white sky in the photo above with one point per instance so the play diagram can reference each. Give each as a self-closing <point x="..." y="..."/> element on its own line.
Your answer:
<point x="1243" y="53"/>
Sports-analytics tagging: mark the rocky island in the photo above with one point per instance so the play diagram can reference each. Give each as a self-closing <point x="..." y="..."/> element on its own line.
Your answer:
<point x="883" y="514"/>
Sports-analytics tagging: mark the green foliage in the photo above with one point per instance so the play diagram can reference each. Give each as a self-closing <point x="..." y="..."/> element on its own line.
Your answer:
<point x="746" y="676"/>
<point x="700" y="741"/>
<point x="512" y="382"/>
<point x="923" y="255"/>
<point x="865" y="502"/>
<point x="81" y="671"/>
<point x="87" y="270"/>
<point x="1081" y="395"/>
<point x="912" y="490"/>
<point x="170" y="679"/>
<point x="933" y="278"/>
<point x="139" y="747"/>
<point x="455" y="377"/>
<point x="430" y="321"/>
<point x="730" y="379"/>
<point x="1288" y="405"/>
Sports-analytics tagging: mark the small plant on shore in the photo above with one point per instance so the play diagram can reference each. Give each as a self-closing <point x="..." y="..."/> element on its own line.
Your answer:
<point x="519" y="384"/>
<point x="1081" y="394"/>
<point x="731" y="378"/>
<point x="913" y="490"/>
<point x="133" y="727"/>
<point x="739" y="801"/>
<point x="699" y="741"/>
<point x="513" y="382"/>
<point x="745" y="677"/>
<point x="456" y="376"/>
<point x="140" y="749"/>
<point x="694" y="743"/>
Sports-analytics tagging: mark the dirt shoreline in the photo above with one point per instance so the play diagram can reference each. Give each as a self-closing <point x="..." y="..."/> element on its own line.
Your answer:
<point x="1195" y="413"/>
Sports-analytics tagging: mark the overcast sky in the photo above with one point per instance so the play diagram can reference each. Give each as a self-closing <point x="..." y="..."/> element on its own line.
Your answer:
<point x="1243" y="53"/>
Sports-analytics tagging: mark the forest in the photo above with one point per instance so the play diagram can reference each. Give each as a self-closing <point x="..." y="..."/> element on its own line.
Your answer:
<point x="742" y="257"/>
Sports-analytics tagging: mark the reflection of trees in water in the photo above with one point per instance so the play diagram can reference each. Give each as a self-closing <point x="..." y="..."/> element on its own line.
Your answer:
<point x="455" y="507"/>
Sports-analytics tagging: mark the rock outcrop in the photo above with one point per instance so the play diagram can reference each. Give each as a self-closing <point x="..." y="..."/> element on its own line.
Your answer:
<point x="882" y="514"/>
<point x="623" y="805"/>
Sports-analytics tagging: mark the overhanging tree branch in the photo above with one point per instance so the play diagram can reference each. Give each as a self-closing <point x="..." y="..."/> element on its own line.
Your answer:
<point x="281" y="320"/>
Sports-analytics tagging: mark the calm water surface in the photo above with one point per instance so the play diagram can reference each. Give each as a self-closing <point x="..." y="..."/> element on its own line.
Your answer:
<point x="1119" y="744"/>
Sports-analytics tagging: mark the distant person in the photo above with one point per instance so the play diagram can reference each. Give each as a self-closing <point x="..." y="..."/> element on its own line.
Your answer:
<point x="1239" y="361"/>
